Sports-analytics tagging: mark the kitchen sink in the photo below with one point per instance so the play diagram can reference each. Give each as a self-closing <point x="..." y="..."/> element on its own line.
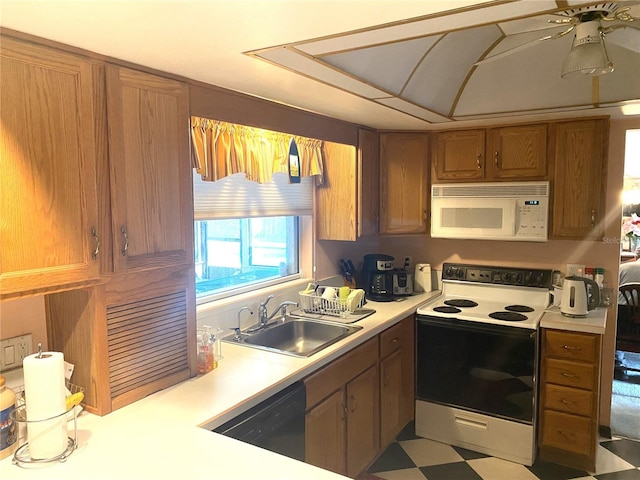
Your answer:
<point x="300" y="337"/>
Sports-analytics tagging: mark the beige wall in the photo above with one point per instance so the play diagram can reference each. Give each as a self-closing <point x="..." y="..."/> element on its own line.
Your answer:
<point x="24" y="315"/>
<point x="554" y="254"/>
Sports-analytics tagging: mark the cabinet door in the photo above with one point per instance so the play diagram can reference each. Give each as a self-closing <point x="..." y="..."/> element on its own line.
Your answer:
<point x="368" y="182"/>
<point x="396" y="379"/>
<point x="151" y="190"/>
<point x="517" y="152"/>
<point x="325" y="434"/>
<point x="47" y="160"/>
<point x="336" y="198"/>
<point x="363" y="421"/>
<point x="459" y="155"/>
<point x="404" y="183"/>
<point x="579" y="179"/>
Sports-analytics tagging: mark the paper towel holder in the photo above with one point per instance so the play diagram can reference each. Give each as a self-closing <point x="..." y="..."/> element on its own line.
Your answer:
<point x="19" y="416"/>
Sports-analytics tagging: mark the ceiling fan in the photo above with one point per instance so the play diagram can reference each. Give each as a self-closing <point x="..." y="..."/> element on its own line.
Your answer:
<point x="588" y="55"/>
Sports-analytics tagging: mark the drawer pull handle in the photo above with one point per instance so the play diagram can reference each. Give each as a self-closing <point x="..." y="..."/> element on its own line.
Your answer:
<point x="395" y="340"/>
<point x="570" y="347"/>
<point x="386" y="380"/>
<point x="567" y="402"/>
<point x="343" y="407"/>
<point x="354" y="404"/>
<point x="95" y="236"/>
<point x="569" y="375"/>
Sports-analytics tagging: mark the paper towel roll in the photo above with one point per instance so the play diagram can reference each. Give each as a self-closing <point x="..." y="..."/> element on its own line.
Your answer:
<point x="45" y="403"/>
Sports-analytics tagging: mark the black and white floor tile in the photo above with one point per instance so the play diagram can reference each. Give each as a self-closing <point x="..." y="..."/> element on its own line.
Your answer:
<point x="414" y="458"/>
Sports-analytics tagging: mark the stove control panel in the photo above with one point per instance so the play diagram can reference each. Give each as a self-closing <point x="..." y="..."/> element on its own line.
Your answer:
<point x="526" y="277"/>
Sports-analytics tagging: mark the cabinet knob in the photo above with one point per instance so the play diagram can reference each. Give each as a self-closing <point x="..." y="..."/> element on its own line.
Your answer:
<point x="478" y="160"/>
<point x="97" y="240"/>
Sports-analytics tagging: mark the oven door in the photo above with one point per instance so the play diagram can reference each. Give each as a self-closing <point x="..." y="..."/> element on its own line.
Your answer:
<point x="479" y="367"/>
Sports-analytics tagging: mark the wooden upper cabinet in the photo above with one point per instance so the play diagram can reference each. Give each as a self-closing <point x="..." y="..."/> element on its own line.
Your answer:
<point x="336" y="198"/>
<point x="404" y="182"/>
<point x="579" y="179"/>
<point x="368" y="182"/>
<point x="47" y="160"/>
<point x="151" y="192"/>
<point x="459" y="155"/>
<point x="517" y="152"/>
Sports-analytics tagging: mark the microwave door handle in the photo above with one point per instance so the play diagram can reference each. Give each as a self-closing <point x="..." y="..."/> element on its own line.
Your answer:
<point x="515" y="218"/>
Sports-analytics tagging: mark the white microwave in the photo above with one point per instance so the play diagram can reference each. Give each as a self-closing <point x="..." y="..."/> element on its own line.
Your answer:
<point x="490" y="211"/>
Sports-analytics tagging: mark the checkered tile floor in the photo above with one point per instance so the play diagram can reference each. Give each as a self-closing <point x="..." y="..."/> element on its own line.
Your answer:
<point x="415" y="458"/>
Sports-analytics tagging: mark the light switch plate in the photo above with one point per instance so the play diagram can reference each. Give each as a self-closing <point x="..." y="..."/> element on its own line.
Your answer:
<point x="13" y="350"/>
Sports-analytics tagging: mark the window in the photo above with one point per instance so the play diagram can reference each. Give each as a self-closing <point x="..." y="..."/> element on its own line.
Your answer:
<point x="237" y="254"/>
<point x="249" y="235"/>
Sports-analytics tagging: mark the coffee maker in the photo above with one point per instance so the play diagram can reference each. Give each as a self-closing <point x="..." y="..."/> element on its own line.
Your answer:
<point x="377" y="276"/>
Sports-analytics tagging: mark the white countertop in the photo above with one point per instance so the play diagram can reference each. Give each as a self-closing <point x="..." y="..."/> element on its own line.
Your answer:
<point x="158" y="437"/>
<point x="594" y="322"/>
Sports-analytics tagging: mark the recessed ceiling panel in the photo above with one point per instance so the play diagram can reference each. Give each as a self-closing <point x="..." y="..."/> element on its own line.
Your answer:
<point x="386" y="66"/>
<point x="438" y="80"/>
<point x="526" y="81"/>
<point x="293" y="60"/>
<point x="439" y="23"/>
<point x="413" y="110"/>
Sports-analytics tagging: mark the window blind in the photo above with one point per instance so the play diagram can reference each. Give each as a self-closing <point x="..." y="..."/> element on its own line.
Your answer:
<point x="236" y="197"/>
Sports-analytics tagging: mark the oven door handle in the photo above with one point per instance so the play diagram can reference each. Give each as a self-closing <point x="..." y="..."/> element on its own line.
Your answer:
<point x="489" y="328"/>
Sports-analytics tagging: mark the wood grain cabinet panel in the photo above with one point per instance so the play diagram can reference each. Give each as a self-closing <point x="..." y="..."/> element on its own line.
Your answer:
<point x="404" y="183"/>
<point x="579" y="178"/>
<point x="568" y="427"/>
<point x="151" y="192"/>
<point x="47" y="159"/>
<point x="459" y="155"/>
<point x="326" y="434"/>
<point x="517" y="152"/>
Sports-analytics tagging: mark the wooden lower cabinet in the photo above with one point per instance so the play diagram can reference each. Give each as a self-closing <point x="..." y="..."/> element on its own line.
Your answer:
<point x="569" y="398"/>
<point x="127" y="338"/>
<point x="397" y="398"/>
<point x="358" y="403"/>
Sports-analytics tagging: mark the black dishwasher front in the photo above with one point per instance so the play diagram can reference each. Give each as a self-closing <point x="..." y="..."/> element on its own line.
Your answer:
<point x="276" y="424"/>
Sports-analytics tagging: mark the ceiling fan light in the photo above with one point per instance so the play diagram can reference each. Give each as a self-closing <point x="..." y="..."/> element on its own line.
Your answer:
<point x="588" y="56"/>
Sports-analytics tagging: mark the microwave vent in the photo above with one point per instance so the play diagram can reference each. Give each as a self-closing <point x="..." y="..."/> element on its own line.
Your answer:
<point x="491" y="190"/>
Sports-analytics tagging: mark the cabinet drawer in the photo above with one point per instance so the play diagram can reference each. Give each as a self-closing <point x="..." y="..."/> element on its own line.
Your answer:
<point x="569" y="400"/>
<point x="398" y="336"/>
<point x="340" y="371"/>
<point x="567" y="432"/>
<point x="572" y="374"/>
<point x="571" y="345"/>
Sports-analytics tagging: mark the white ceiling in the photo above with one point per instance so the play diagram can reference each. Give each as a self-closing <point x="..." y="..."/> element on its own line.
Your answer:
<point x="362" y="52"/>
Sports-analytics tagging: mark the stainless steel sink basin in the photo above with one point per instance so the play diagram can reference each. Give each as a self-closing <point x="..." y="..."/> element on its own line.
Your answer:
<point x="300" y="337"/>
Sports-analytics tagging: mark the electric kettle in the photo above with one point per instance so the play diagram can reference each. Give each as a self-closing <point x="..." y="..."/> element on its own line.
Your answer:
<point x="579" y="295"/>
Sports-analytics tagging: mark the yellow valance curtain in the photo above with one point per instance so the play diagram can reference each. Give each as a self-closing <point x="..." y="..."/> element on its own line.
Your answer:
<point x="221" y="149"/>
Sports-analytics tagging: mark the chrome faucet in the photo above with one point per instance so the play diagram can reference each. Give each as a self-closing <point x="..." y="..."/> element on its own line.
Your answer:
<point x="264" y="318"/>
<point x="236" y="331"/>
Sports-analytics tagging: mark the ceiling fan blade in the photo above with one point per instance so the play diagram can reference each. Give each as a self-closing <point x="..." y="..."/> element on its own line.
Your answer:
<point x="524" y="46"/>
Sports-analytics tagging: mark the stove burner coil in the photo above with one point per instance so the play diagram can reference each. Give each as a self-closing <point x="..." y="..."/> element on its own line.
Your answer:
<point x="446" y="309"/>
<point x="461" y="302"/>
<point x="519" y="308"/>
<point x="508" y="316"/>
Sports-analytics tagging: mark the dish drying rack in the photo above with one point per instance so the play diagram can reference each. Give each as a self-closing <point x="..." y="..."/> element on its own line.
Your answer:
<point x="313" y="303"/>
<point x="19" y="416"/>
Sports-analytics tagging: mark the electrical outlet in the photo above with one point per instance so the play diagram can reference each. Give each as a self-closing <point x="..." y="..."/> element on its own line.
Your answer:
<point x="575" y="269"/>
<point x="13" y="350"/>
<point x="408" y="261"/>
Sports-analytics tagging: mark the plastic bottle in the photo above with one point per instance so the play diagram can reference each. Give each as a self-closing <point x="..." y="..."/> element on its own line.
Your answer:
<point x="205" y="352"/>
<point x="599" y="276"/>
<point x="8" y="428"/>
<point x="588" y="273"/>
